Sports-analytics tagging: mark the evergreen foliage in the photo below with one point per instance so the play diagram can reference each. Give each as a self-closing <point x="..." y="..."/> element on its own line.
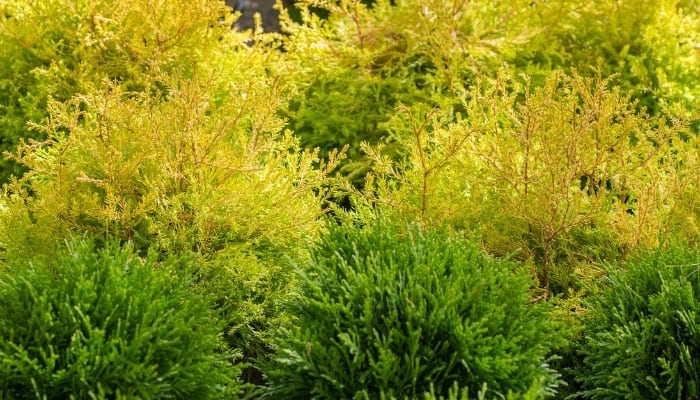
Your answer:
<point x="569" y="173"/>
<point x="650" y="46"/>
<point x="56" y="49"/>
<point x="641" y="335"/>
<point x="107" y="324"/>
<point x="385" y="313"/>
<point x="460" y="108"/>
<point x="357" y="63"/>
<point x="563" y="134"/>
<point x="200" y="167"/>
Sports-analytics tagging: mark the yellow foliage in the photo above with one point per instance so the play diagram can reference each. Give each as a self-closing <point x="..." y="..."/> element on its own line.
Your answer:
<point x="561" y="172"/>
<point x="203" y="166"/>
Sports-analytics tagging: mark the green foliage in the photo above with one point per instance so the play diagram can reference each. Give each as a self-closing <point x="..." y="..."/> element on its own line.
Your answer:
<point x="641" y="335"/>
<point x="249" y="288"/>
<point x="455" y="393"/>
<point x="201" y="168"/>
<point x="411" y="82"/>
<point x="108" y="324"/>
<point x="384" y="312"/>
<point x="366" y="103"/>
<point x="562" y="132"/>
<point x="58" y="48"/>
<point x="357" y="63"/>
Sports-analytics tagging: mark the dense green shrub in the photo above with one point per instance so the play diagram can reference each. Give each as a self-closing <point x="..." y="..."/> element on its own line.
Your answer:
<point x="641" y="336"/>
<point x="389" y="313"/>
<point x="108" y="324"/>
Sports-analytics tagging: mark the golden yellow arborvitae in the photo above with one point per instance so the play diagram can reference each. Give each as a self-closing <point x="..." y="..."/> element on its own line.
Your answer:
<point x="567" y="173"/>
<point x="59" y="48"/>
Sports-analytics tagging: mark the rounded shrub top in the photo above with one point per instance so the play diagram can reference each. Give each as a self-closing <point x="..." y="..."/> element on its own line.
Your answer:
<point x="386" y="313"/>
<point x="106" y="324"/>
<point x="642" y="336"/>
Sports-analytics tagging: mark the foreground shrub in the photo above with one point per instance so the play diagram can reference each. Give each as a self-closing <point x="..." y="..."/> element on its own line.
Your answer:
<point x="107" y="324"/>
<point x="389" y="314"/>
<point x="642" y="339"/>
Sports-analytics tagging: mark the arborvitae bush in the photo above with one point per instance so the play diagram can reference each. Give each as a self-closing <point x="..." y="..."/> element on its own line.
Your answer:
<point x="55" y="49"/>
<point x="391" y="313"/>
<point x="202" y="168"/>
<point x="195" y="170"/>
<point x="577" y="169"/>
<point x="160" y="129"/>
<point x="358" y="63"/>
<point x="650" y="45"/>
<point x="641" y="335"/>
<point x="568" y="173"/>
<point x="109" y="324"/>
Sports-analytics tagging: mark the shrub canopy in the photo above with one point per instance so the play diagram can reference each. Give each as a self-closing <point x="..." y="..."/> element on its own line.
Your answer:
<point x="108" y="324"/>
<point x="641" y="337"/>
<point x="386" y="312"/>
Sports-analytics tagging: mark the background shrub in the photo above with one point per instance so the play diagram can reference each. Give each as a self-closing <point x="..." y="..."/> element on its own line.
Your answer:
<point x="108" y="324"/>
<point x="562" y="130"/>
<point x="568" y="173"/>
<point x="56" y="49"/>
<point x="649" y="45"/>
<point x="357" y="63"/>
<point x="641" y="336"/>
<point x="390" y="313"/>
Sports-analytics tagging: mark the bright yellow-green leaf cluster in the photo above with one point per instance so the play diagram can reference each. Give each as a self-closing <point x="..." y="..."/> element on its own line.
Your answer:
<point x="168" y="137"/>
<point x="563" y="131"/>
<point x="59" y="48"/>
<point x="547" y="171"/>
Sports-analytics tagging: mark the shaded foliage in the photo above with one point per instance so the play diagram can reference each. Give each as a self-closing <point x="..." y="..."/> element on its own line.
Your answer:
<point x="641" y="337"/>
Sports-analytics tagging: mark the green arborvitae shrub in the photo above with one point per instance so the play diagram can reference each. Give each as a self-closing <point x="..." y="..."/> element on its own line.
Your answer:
<point x="392" y="314"/>
<point x="108" y="324"/>
<point x="642" y="336"/>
